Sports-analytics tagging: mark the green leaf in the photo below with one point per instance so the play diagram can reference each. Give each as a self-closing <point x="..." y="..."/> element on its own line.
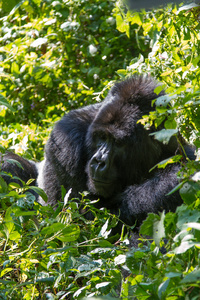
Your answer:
<point x="159" y="229"/>
<point x="5" y="271"/>
<point x="46" y="279"/>
<point x="105" y="244"/>
<point x="171" y="160"/>
<point x="164" y="135"/>
<point x="137" y="279"/>
<point x="193" y="276"/>
<point x="8" y="219"/>
<point x="14" y="236"/>
<point x="14" y="162"/>
<point x="158" y="90"/>
<point x="102" y="284"/>
<point x="122" y="25"/>
<point x="189" y="191"/>
<point x="184" y="246"/>
<point x="15" y="68"/>
<point x="154" y="227"/>
<point x="3" y="184"/>
<point x="173" y="274"/>
<point x="170" y="124"/>
<point x="40" y="192"/>
<point x="162" y="101"/>
<point x="147" y="225"/>
<point x="8" y="5"/>
<point x="14" y="185"/>
<point x="53" y="228"/>
<point x="3" y="101"/>
<point x="69" y="233"/>
<point x="186" y="215"/>
<point x="188" y="7"/>
<point x="136" y="19"/>
<point x="25" y="213"/>
<point x="162" y="288"/>
<point x="194" y="225"/>
<point x="103" y="232"/>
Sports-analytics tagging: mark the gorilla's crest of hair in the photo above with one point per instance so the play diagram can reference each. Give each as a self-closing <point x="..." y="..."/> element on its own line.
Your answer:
<point x="136" y="90"/>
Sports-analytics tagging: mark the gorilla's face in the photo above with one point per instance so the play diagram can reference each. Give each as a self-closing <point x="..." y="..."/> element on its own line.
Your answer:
<point x="111" y="138"/>
<point x="121" y="152"/>
<point x="105" y="168"/>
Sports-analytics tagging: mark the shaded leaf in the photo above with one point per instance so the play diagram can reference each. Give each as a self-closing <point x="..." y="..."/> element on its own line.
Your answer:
<point x="53" y="228"/>
<point x="194" y="276"/>
<point x="164" y="135"/>
<point x="69" y="233"/>
<point x="189" y="191"/>
<point x="162" y="288"/>
<point x="40" y="192"/>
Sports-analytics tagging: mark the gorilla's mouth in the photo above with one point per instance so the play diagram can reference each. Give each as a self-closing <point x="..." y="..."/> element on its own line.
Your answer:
<point x="100" y="182"/>
<point x="102" y="188"/>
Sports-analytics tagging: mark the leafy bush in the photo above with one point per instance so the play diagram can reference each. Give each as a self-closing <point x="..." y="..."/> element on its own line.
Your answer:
<point x="56" y="252"/>
<point x="54" y="56"/>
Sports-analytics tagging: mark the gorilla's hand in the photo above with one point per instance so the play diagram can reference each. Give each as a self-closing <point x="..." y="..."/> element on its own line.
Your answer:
<point x="151" y="196"/>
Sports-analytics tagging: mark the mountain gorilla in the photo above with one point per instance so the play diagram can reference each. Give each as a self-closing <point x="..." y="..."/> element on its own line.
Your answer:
<point x="103" y="149"/>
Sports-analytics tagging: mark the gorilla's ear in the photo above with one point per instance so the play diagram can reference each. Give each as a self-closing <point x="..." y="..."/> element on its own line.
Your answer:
<point x="137" y="90"/>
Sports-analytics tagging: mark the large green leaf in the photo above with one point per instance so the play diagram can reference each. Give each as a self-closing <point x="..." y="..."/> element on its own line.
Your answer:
<point x="164" y="135"/>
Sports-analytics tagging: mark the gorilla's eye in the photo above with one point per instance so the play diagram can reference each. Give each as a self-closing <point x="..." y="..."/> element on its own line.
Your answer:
<point x="102" y="136"/>
<point x="99" y="136"/>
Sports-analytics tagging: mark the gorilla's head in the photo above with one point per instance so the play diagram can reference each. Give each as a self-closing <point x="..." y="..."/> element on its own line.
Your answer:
<point x="121" y="150"/>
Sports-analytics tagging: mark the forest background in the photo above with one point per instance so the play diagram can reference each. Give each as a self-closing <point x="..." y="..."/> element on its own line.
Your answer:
<point x="60" y="55"/>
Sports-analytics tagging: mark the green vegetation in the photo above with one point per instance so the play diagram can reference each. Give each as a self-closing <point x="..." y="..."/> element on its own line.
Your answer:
<point x="59" y="55"/>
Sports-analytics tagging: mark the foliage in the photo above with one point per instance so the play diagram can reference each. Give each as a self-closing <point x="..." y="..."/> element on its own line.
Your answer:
<point x="54" y="55"/>
<point x="61" y="254"/>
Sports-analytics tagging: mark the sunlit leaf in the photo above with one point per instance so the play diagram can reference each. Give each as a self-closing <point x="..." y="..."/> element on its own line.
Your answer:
<point x="4" y="271"/>
<point x="168" y="161"/>
<point x="120" y="259"/>
<point x="39" y="42"/>
<point x="3" y="101"/>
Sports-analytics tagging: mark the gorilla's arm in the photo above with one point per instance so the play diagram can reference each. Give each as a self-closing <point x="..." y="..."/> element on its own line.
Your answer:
<point x="151" y="196"/>
<point x="66" y="155"/>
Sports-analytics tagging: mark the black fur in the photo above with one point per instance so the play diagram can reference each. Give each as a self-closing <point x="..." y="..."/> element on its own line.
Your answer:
<point x="105" y="140"/>
<point x="25" y="170"/>
<point x="103" y="149"/>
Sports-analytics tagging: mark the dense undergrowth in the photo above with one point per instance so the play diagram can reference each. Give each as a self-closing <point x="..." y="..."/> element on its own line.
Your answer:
<point x="60" y="55"/>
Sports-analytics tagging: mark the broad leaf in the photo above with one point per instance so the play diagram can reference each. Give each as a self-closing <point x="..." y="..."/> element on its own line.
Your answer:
<point x="164" y="135"/>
